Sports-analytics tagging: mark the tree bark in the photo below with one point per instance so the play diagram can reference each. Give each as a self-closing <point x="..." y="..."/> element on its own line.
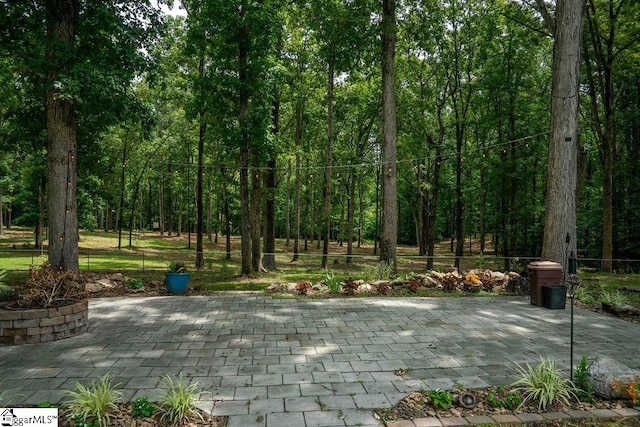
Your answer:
<point x="62" y="16"/>
<point x="200" y="190"/>
<point x="560" y="202"/>
<point x="604" y="129"/>
<point x="327" y="173"/>
<point x="256" y="259"/>
<point x="388" y="237"/>
<point x="351" y="213"/>
<point x="122" y="189"/>
<point x="297" y="202"/>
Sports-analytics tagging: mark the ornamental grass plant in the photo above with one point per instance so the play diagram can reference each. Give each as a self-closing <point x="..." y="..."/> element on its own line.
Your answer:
<point x="544" y="384"/>
<point x="179" y="401"/>
<point x="93" y="404"/>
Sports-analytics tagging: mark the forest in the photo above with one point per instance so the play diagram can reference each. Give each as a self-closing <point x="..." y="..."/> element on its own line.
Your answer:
<point x="264" y="119"/>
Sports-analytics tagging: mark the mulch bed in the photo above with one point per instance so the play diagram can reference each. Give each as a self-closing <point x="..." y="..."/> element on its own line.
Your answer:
<point x="418" y="405"/>
<point x="123" y="418"/>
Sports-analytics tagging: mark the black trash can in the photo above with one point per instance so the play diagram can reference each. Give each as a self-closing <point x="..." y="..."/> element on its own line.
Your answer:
<point x="554" y="296"/>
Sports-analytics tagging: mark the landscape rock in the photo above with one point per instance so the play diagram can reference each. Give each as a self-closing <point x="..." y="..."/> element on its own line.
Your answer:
<point x="605" y="372"/>
<point x="107" y="283"/>
<point x="274" y="287"/>
<point x="117" y="277"/>
<point x="621" y="309"/>
<point x="436" y="274"/>
<point x="366" y="288"/>
<point x="93" y="287"/>
<point x="497" y="275"/>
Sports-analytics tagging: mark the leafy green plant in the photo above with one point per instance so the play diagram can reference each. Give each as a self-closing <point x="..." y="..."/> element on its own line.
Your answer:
<point x="5" y="291"/>
<point x="504" y="397"/>
<point x="133" y="283"/>
<point x="583" y="295"/>
<point x="544" y="384"/>
<point x="585" y="390"/>
<point x="178" y="401"/>
<point x="177" y="267"/>
<point x="333" y="283"/>
<point x="385" y="271"/>
<point x="612" y="297"/>
<point x="440" y="398"/>
<point x="142" y="407"/>
<point x="79" y="422"/>
<point x="92" y="404"/>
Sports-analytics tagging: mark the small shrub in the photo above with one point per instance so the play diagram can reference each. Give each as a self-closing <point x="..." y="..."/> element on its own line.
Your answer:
<point x="504" y="397"/>
<point x="92" y="404"/>
<point x="440" y="399"/>
<point x="178" y="401"/>
<point x="385" y="271"/>
<point x="544" y="384"/>
<point x="585" y="390"/>
<point x="5" y="291"/>
<point x="583" y="295"/>
<point x="333" y="283"/>
<point x="612" y="297"/>
<point x="177" y="267"/>
<point x="133" y="284"/>
<point x="142" y="408"/>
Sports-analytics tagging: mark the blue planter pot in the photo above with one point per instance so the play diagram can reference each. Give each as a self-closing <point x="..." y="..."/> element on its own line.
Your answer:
<point x="177" y="283"/>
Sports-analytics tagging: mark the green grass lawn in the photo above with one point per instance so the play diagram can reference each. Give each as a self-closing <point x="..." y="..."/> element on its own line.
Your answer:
<point x="150" y="254"/>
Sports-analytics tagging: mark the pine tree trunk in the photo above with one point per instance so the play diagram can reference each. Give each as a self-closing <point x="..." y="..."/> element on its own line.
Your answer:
<point x="388" y="237"/>
<point x="62" y="18"/>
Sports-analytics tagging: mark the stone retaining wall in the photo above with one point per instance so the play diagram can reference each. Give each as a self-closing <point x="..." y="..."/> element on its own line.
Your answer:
<point x="42" y="325"/>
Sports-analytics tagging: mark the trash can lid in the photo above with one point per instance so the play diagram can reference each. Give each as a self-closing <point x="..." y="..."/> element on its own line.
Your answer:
<point x="544" y="265"/>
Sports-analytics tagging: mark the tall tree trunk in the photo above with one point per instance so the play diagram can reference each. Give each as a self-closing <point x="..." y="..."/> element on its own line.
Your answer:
<point x="327" y="173"/>
<point x="256" y="236"/>
<point x="227" y="220"/>
<point x="243" y="122"/>
<point x="287" y="207"/>
<point x="210" y="213"/>
<point x="351" y="212"/>
<point x="42" y="188"/>
<point x="602" y="46"/>
<point x="297" y="201"/>
<point x="269" y="257"/>
<point x="122" y="189"/>
<point x="560" y="202"/>
<point x="200" y="193"/>
<point x="62" y="16"/>
<point x="161" y="202"/>
<point x="388" y="237"/>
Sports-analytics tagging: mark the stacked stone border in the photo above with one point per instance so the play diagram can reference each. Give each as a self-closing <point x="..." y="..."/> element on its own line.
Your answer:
<point x="43" y="324"/>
